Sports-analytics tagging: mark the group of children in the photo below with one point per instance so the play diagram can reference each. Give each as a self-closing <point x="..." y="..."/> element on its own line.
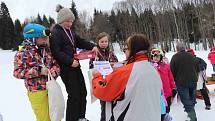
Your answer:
<point x="157" y="60"/>
<point x="161" y="64"/>
<point x="43" y="59"/>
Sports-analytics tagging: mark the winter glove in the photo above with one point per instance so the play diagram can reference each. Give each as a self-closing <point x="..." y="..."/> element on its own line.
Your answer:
<point x="174" y="92"/>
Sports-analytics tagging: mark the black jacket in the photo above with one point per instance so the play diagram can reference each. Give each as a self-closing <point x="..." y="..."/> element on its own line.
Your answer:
<point x="202" y="64"/>
<point x="62" y="48"/>
<point x="184" y="68"/>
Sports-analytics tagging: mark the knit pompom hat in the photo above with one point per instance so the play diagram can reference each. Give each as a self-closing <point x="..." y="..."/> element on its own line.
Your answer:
<point x="64" y="14"/>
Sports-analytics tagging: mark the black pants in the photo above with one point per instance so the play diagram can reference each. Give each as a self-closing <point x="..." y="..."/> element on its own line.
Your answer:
<point x="76" y="89"/>
<point x="103" y="104"/>
<point x="169" y="101"/>
<point x="162" y="117"/>
<point x="205" y="96"/>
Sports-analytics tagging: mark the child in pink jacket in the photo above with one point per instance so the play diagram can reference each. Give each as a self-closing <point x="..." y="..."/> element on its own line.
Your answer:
<point x="165" y="74"/>
<point x="211" y="57"/>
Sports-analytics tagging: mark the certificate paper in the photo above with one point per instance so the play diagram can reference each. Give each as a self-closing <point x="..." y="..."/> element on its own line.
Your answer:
<point x="103" y="67"/>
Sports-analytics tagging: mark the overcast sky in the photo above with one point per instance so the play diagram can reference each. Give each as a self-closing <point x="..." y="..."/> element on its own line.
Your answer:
<point x="26" y="8"/>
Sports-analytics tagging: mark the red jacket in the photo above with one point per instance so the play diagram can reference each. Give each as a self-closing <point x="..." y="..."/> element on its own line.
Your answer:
<point x="167" y="78"/>
<point x="211" y="57"/>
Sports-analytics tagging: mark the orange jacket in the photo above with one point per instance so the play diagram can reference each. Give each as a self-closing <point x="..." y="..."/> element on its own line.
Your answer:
<point x="114" y="84"/>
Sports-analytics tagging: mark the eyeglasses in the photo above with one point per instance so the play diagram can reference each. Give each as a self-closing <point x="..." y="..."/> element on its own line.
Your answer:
<point x="155" y="52"/>
<point x="125" y="49"/>
<point x="156" y="55"/>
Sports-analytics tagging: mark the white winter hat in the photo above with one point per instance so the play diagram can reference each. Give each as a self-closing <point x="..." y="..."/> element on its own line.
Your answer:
<point x="64" y="14"/>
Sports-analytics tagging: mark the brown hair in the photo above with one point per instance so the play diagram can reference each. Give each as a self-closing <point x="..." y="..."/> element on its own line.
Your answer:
<point x="101" y="35"/>
<point x="137" y="43"/>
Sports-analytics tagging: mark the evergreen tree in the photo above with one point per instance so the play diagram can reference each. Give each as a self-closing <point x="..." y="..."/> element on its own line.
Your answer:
<point x="1" y="27"/>
<point x="39" y="19"/>
<point x="51" y="21"/>
<point x="101" y="23"/>
<point x="134" y="20"/>
<point x="75" y="12"/>
<point x="4" y="10"/>
<point x="18" y="34"/>
<point x="119" y="30"/>
<point x="78" y="26"/>
<point x="7" y="28"/>
<point x="113" y="24"/>
<point x="45" y="22"/>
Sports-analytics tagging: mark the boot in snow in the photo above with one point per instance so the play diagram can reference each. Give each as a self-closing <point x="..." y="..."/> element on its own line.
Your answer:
<point x="192" y="115"/>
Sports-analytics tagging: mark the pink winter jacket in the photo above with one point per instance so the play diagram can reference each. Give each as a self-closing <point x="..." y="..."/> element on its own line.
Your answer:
<point x="211" y="57"/>
<point x="167" y="79"/>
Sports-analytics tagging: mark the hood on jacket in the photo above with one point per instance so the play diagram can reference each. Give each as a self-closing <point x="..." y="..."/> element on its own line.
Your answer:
<point x="191" y="51"/>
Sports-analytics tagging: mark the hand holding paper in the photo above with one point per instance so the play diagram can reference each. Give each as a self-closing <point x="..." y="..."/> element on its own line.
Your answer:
<point x="103" y="67"/>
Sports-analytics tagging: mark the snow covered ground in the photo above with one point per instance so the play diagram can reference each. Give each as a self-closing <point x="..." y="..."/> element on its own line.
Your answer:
<point x="14" y="104"/>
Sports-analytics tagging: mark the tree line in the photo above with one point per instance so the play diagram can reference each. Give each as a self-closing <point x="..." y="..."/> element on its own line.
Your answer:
<point x="11" y="35"/>
<point x="162" y="21"/>
<point x="11" y="32"/>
